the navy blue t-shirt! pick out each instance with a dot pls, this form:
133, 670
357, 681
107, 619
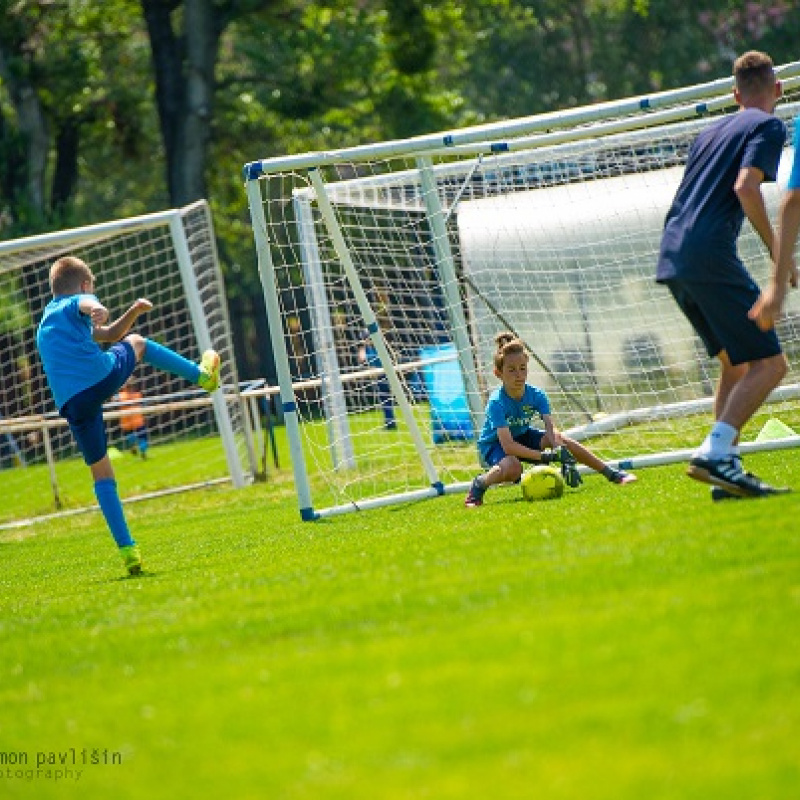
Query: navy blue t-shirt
703, 223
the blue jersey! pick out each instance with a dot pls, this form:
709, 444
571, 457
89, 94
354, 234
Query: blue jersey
794, 175
72, 360
503, 411
703, 223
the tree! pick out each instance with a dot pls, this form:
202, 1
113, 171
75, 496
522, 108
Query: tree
61, 67
185, 39
23, 186
93, 95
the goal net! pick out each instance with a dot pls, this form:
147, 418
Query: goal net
388, 270
193, 438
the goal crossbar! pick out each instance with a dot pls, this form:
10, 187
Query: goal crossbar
496, 132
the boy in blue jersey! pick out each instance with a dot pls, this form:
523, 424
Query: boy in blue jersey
699, 263
769, 306
508, 437
82, 376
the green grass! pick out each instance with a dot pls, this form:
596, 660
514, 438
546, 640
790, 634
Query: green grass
620, 643
28, 492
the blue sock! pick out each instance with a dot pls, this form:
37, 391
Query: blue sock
162, 357
111, 506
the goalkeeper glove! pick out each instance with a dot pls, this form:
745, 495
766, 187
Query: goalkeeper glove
550, 457
571, 476
558, 455
569, 468
566, 457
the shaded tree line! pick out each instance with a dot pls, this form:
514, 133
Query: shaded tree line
130, 106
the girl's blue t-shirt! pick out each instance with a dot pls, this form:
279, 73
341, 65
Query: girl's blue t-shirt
72, 360
503, 411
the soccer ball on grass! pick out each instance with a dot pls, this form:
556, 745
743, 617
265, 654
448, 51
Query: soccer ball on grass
542, 483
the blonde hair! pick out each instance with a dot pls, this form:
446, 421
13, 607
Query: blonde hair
68, 274
754, 73
507, 344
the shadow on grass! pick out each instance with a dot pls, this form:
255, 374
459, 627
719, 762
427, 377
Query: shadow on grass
140, 577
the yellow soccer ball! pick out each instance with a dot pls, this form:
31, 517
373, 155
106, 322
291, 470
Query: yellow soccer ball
542, 483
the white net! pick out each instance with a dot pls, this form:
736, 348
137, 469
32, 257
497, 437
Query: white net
130, 259
554, 237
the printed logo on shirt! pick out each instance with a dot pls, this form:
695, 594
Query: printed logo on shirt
528, 413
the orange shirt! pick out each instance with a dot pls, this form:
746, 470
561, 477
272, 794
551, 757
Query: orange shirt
131, 422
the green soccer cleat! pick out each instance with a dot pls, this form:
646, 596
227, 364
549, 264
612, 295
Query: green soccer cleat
209, 371
132, 559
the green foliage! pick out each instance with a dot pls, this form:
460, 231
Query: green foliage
79, 58
294, 76
411, 40
13, 309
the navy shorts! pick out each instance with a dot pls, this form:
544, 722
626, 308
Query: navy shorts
494, 453
718, 313
84, 411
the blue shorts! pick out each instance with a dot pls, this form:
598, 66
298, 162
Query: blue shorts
494, 453
84, 411
718, 313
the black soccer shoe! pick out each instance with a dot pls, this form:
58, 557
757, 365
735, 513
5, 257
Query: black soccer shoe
727, 474
719, 494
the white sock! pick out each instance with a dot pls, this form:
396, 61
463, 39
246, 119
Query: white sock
719, 442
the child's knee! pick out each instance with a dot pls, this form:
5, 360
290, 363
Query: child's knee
512, 469
138, 343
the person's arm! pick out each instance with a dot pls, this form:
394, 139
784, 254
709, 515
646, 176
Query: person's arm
511, 447
769, 305
93, 309
748, 190
552, 434
117, 329
789, 228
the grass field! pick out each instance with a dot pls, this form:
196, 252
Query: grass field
621, 643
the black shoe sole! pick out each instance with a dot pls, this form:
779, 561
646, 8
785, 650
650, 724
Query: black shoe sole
719, 495
724, 494
704, 476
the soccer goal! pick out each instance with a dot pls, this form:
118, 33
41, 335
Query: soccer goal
193, 438
388, 269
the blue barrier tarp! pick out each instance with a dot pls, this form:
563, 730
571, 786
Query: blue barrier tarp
450, 417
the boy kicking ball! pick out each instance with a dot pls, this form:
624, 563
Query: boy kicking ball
82, 376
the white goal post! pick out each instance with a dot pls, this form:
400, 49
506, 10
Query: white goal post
387, 270
195, 439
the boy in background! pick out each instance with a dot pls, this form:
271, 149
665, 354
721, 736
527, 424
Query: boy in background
133, 423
